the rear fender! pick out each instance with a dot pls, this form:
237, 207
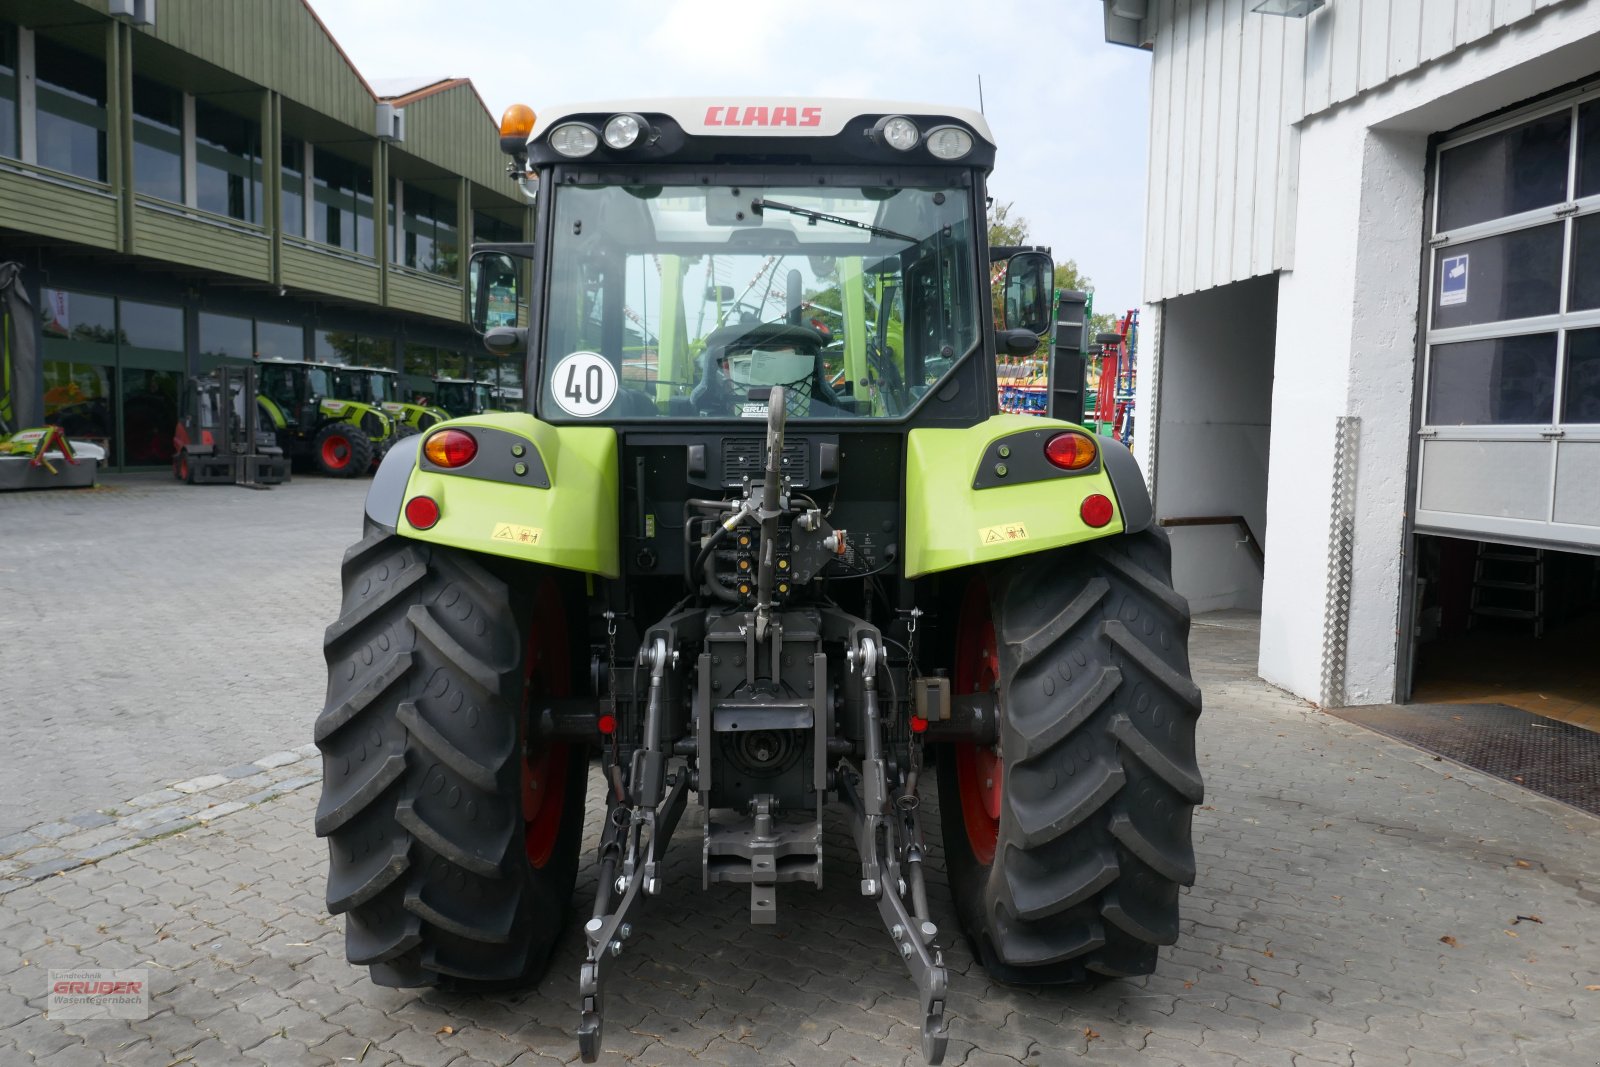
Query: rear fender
962, 510
561, 511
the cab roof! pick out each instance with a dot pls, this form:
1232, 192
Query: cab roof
788, 116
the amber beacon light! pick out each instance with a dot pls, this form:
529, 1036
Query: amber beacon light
515, 126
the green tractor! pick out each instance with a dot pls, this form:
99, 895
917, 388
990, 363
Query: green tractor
748, 579
460, 396
381, 389
313, 410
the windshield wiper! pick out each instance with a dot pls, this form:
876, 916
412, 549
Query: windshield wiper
760, 204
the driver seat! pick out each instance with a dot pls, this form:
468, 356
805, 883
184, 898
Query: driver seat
714, 395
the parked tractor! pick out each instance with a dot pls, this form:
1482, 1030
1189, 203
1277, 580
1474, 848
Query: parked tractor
341, 437
462, 397
747, 579
381, 389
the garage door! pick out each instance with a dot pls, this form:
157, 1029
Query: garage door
1510, 434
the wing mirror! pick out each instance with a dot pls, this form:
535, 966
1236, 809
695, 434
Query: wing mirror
1029, 287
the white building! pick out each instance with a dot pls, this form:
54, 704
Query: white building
1372, 265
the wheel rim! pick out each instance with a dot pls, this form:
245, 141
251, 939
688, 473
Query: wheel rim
980, 771
183, 467
336, 452
546, 671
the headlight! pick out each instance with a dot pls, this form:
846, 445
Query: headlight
898, 132
573, 140
622, 131
949, 142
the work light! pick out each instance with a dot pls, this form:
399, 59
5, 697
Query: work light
949, 142
898, 132
622, 131
573, 139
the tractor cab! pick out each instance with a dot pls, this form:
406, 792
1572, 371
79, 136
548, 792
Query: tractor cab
461, 396
379, 387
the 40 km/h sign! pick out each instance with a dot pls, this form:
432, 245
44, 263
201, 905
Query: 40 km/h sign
584, 383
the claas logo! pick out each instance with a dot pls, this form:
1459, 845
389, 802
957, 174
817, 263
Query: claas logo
719, 115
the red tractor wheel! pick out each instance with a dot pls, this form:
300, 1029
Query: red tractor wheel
343, 450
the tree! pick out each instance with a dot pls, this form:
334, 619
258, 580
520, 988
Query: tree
1005, 230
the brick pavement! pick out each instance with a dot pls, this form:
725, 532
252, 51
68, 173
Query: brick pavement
156, 632
1331, 863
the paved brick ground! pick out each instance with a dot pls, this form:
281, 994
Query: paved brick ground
155, 632
1331, 863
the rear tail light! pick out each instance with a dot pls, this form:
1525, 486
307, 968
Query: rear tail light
450, 448
1071, 451
422, 512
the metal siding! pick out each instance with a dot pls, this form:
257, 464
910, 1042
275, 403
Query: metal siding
1316, 60
1269, 141
1160, 166
1474, 20
57, 208
274, 43
322, 272
1344, 59
161, 234
1200, 257
1181, 270
425, 296
1374, 62
1246, 149
1438, 29
1405, 35
1508, 11
450, 129
1228, 203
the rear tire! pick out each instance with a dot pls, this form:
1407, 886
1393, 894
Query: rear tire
449, 869
1096, 778
342, 450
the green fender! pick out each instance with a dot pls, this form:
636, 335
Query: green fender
487, 506
1031, 507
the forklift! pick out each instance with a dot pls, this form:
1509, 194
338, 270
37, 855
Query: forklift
223, 435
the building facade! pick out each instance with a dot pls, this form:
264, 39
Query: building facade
197, 183
1372, 262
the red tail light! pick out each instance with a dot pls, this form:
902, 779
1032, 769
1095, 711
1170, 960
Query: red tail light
1096, 510
450, 448
1071, 451
422, 512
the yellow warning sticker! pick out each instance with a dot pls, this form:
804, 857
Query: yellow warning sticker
521, 535
996, 535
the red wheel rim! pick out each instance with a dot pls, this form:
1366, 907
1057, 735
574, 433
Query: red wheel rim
980, 772
336, 452
183, 467
546, 671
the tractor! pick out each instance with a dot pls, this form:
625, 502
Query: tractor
312, 410
462, 397
746, 578
381, 389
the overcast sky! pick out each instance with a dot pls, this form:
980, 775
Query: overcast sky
1069, 112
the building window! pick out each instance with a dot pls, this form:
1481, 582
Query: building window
224, 338
488, 229
335, 346
157, 140
8, 91
294, 188
278, 340
79, 358
71, 110
227, 163
421, 365
428, 238
1512, 292
343, 203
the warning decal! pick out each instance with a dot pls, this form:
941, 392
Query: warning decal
995, 535
521, 535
